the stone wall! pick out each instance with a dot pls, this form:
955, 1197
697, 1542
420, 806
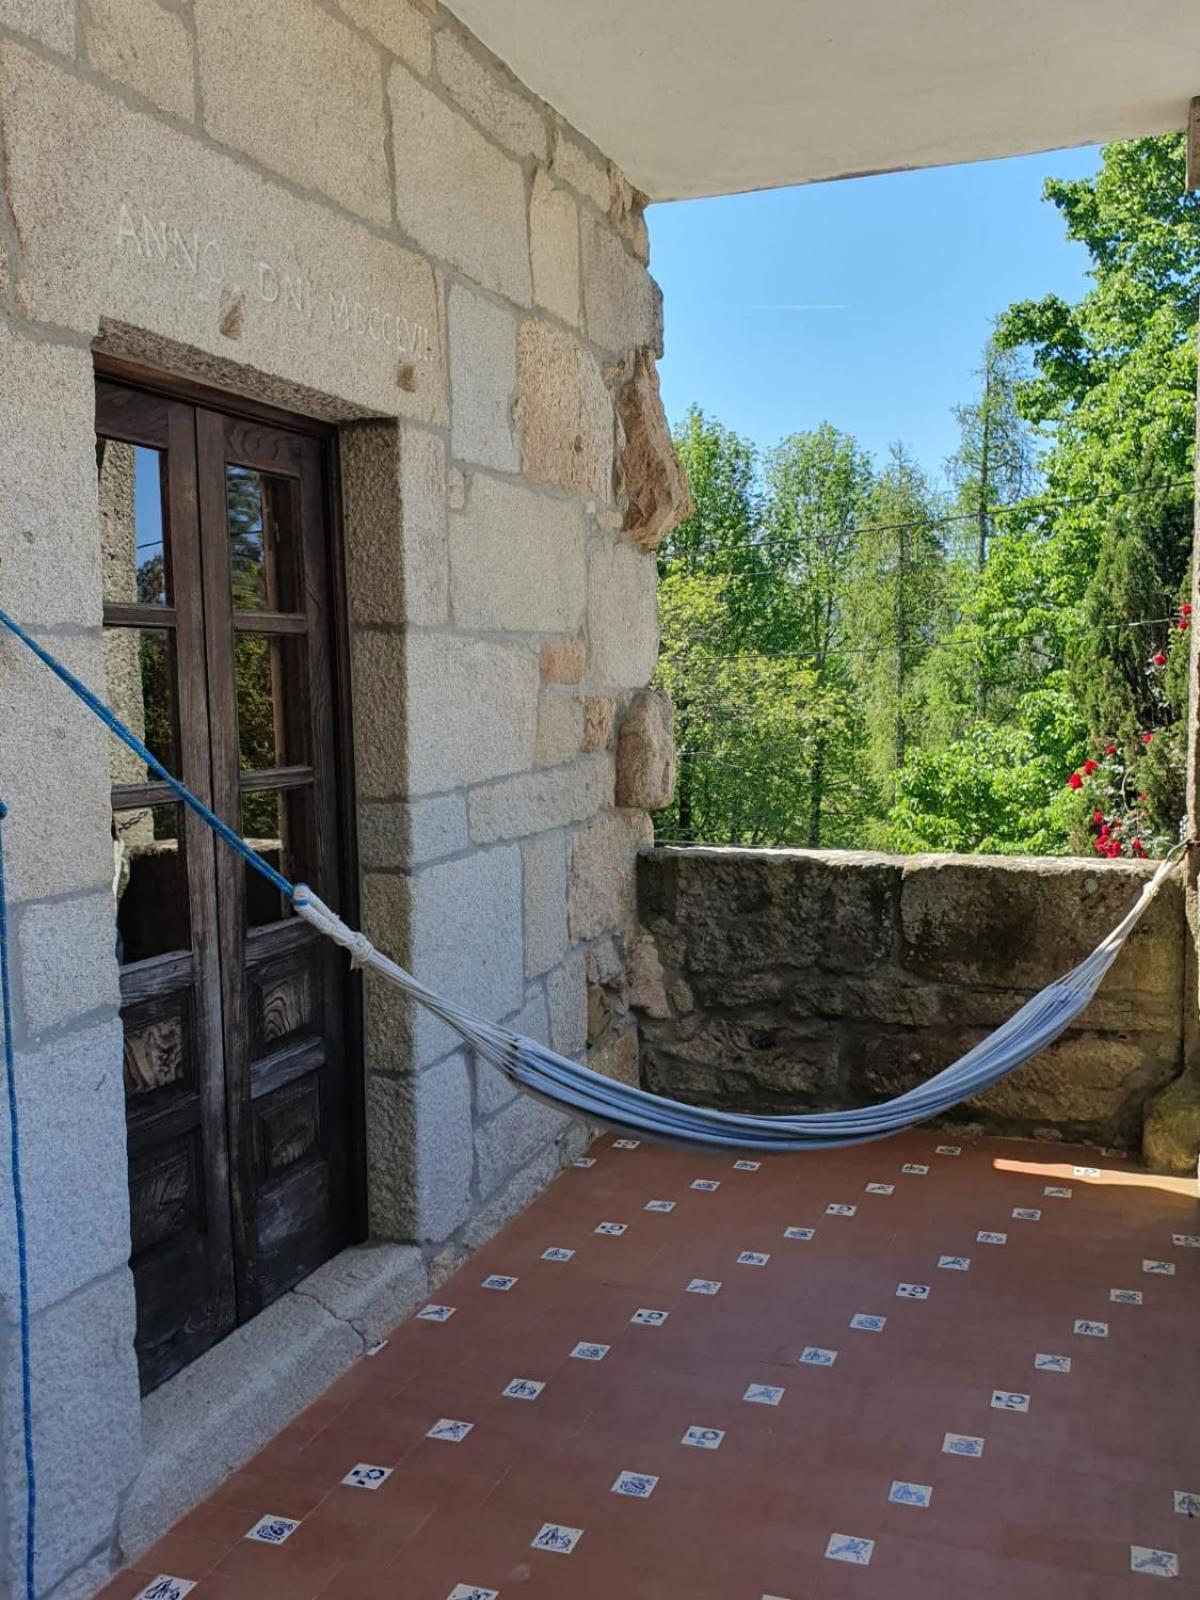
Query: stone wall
351, 210
780, 980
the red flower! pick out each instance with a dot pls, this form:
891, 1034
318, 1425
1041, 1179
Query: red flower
1183, 622
1160, 660
1098, 818
1138, 848
1110, 749
1185, 610
1147, 738
1074, 781
1089, 766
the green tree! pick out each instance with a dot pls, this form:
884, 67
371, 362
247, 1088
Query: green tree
994, 462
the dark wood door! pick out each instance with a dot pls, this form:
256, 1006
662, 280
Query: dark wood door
219, 636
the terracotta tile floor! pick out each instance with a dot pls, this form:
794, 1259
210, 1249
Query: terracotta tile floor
1050, 1323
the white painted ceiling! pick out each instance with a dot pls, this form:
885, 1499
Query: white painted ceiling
700, 97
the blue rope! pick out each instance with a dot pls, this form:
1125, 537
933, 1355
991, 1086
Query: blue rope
14, 1139
127, 737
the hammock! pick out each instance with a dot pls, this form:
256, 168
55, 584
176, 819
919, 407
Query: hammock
566, 1084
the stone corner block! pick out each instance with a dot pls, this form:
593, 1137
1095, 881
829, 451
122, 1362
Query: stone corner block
545, 862
517, 559
602, 889
554, 248
1171, 1127
483, 380
646, 752
565, 412
622, 305
562, 660
622, 615
651, 477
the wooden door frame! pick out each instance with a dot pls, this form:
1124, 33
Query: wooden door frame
116, 369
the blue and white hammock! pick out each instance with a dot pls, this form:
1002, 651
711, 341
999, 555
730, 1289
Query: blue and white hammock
563, 1083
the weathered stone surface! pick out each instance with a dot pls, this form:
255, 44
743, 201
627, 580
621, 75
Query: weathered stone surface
791, 980
400, 27
583, 171
177, 225
512, 1139
646, 752
370, 1286
565, 412
601, 891
566, 998
545, 903
261, 60
532, 802
506, 112
456, 194
620, 299
1171, 1129
419, 1152
142, 45
52, 22
517, 560
483, 380
554, 248
649, 472
617, 1057
560, 727
394, 494
85, 1409
562, 660
622, 615
77, 1213
53, 986
599, 721
408, 833
520, 1191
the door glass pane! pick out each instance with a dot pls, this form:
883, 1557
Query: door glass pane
278, 824
150, 882
264, 545
269, 674
140, 667
133, 539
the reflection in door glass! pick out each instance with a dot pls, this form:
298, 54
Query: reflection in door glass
150, 882
278, 824
263, 554
268, 676
132, 538
140, 668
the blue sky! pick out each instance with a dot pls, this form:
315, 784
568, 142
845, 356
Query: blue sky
912, 267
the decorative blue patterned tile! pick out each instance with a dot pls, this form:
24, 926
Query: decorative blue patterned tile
1026, 1214
472, 1591
1189, 1241
611, 1230
1090, 1329
590, 1352
961, 1444
703, 1438
813, 1356
844, 1547
1154, 1563
1044, 1363
436, 1313
704, 1286
522, 1389
272, 1530
626, 1144
167, 1588
986, 1236
449, 1430
557, 1252
637, 1485
659, 1205
915, 1169
764, 1394
955, 1263
910, 1494
798, 1233
752, 1258
553, 1536
1187, 1505
912, 1291
706, 1185
1125, 1297
840, 1210
868, 1322
1086, 1172
498, 1280
584, 1161
1008, 1400
647, 1318
365, 1476
1057, 1191
948, 1150
746, 1166
1160, 1269
880, 1188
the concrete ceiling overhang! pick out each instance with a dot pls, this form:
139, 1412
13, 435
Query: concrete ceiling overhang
702, 97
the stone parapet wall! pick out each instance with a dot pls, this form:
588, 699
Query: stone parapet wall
785, 980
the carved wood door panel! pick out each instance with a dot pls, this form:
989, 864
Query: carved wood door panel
219, 649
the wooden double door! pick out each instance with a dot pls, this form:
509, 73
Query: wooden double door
240, 1060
